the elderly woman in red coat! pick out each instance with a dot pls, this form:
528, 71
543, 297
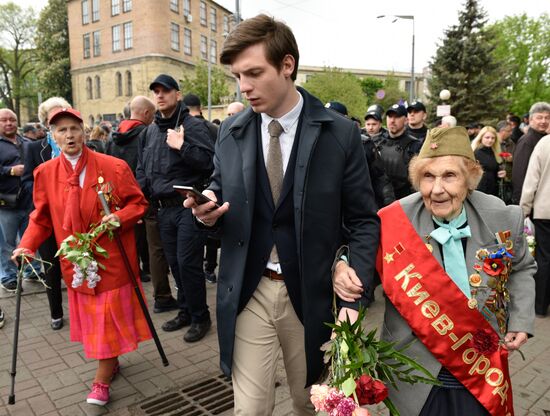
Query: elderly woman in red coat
105, 318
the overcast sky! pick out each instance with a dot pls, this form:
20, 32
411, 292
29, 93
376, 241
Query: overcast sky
347, 33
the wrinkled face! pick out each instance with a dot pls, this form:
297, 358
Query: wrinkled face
69, 135
540, 122
372, 126
505, 132
8, 123
266, 87
165, 99
416, 118
443, 187
395, 123
488, 139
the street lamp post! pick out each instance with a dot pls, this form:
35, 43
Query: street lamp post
407, 17
237, 21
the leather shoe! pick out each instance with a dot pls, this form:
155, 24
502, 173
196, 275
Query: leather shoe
57, 324
177, 323
197, 331
144, 276
165, 305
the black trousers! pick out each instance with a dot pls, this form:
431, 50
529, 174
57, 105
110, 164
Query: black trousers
452, 402
183, 245
53, 277
542, 256
158, 266
212, 245
142, 248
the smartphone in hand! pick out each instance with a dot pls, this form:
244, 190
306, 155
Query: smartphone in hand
190, 190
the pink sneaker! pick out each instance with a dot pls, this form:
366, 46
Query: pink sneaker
99, 394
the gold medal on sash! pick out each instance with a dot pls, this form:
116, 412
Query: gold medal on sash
472, 303
475, 280
100, 180
429, 247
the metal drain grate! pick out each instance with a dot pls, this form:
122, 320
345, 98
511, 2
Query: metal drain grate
208, 397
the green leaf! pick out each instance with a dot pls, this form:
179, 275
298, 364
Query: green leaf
348, 386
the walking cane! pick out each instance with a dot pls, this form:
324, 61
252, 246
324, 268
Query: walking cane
134, 282
11, 399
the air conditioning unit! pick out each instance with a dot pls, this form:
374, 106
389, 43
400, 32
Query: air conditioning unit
189, 18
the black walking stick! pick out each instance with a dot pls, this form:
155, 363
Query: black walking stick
11, 399
134, 282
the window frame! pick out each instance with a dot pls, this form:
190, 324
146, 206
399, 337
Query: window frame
95, 11
204, 53
115, 7
128, 42
87, 45
174, 39
96, 38
187, 48
116, 41
126, 6
203, 14
85, 4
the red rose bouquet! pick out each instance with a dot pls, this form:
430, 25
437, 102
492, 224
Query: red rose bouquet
360, 366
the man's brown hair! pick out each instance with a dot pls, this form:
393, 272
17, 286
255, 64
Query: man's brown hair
277, 38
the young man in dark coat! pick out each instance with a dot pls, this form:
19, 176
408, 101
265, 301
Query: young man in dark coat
287, 173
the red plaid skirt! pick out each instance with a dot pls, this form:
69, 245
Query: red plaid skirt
108, 324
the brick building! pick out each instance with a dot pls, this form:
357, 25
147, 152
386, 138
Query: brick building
119, 46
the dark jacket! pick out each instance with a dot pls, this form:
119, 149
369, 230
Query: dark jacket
212, 128
381, 184
36, 153
11, 155
96, 145
420, 133
522, 154
125, 142
160, 167
489, 180
331, 187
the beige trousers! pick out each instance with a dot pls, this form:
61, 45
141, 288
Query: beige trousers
267, 326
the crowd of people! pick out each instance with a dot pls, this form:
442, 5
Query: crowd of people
301, 203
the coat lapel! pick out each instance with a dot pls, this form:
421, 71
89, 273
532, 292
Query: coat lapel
88, 193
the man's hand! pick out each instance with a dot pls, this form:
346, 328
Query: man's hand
501, 173
18, 252
174, 138
514, 340
18, 170
206, 213
345, 282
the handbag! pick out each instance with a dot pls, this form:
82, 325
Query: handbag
9, 200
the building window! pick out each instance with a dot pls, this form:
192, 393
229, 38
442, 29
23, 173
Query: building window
126, 5
187, 41
86, 40
95, 10
115, 7
175, 36
85, 12
213, 51
203, 13
128, 83
118, 84
128, 36
97, 87
174, 5
186, 7
213, 19
116, 38
225, 23
97, 43
89, 88
204, 48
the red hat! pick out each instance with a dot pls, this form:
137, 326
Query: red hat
70, 112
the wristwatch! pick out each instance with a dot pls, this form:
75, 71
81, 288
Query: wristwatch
12, 172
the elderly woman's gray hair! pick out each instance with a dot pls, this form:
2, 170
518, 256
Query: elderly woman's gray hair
48, 105
471, 170
540, 107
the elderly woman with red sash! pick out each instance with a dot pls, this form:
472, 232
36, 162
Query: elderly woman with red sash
107, 318
458, 280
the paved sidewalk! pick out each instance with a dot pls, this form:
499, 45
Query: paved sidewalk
53, 377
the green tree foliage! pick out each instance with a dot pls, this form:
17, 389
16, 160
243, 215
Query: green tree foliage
198, 84
523, 43
17, 28
52, 51
370, 86
467, 66
392, 93
333, 84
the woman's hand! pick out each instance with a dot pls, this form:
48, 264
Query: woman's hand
501, 173
19, 252
110, 217
514, 340
345, 282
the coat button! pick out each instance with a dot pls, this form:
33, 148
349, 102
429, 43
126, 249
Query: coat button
240, 243
230, 289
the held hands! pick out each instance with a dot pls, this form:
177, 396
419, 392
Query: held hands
206, 213
345, 283
174, 138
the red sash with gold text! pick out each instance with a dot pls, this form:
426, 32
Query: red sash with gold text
438, 312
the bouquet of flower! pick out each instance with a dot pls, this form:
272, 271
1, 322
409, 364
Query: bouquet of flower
530, 238
359, 368
81, 250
